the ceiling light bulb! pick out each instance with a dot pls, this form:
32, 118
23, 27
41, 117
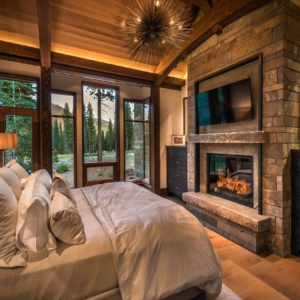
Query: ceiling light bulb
172, 22
157, 3
180, 27
163, 41
135, 39
139, 20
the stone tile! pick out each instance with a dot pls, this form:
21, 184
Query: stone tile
283, 226
274, 108
270, 96
270, 77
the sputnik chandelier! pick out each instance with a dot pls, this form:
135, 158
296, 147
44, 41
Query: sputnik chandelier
150, 29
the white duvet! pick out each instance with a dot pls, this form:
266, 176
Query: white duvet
159, 247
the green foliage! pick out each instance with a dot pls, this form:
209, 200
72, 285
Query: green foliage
129, 129
68, 130
19, 94
62, 168
55, 156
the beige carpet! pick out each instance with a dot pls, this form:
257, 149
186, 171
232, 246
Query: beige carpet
227, 294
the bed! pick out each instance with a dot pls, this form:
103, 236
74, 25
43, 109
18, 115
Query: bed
138, 246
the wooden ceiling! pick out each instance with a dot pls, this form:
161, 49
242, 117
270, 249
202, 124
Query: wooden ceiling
62, 30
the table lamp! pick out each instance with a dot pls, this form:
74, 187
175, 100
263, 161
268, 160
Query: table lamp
8, 141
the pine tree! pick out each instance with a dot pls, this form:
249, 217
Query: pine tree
103, 141
109, 136
55, 134
68, 130
61, 140
91, 134
129, 129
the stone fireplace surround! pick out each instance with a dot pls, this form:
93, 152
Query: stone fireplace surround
241, 224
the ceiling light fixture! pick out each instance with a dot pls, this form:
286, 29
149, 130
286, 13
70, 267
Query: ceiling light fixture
150, 29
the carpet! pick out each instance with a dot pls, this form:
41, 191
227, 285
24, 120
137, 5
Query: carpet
227, 294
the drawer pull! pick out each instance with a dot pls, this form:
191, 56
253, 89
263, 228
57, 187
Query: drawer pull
178, 175
177, 162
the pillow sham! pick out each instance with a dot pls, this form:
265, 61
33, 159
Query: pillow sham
42, 175
62, 186
17, 168
32, 232
9, 254
65, 220
12, 180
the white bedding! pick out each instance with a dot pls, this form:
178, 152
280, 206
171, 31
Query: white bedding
159, 247
74, 272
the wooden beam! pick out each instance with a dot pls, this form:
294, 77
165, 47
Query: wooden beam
203, 5
215, 2
210, 24
11, 49
84, 67
46, 125
155, 140
44, 23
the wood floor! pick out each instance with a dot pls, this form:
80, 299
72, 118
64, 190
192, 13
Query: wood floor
252, 276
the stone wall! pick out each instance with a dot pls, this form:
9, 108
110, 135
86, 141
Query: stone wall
274, 31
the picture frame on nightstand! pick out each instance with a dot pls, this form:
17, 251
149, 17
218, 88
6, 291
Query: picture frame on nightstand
178, 140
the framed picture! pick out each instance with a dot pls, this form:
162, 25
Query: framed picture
178, 140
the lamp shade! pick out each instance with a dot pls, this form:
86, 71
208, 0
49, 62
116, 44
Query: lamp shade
8, 141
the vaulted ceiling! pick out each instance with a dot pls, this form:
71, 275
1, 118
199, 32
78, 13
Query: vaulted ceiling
63, 34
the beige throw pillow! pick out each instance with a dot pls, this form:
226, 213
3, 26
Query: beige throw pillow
65, 221
32, 232
42, 175
9, 254
17, 168
62, 186
12, 180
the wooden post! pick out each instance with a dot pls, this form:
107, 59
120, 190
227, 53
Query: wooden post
155, 140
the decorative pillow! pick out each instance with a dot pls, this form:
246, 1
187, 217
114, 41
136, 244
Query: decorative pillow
12, 180
61, 185
65, 221
9, 254
17, 168
32, 232
42, 175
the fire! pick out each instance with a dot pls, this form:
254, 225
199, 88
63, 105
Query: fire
234, 184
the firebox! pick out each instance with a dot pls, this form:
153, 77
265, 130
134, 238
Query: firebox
231, 177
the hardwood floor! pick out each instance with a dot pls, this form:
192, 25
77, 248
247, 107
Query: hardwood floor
251, 276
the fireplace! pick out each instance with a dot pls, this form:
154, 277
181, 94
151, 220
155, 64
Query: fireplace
231, 177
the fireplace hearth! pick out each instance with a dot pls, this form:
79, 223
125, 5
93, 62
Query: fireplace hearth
231, 177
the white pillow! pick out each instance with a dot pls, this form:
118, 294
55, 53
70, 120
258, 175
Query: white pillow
65, 221
9, 254
12, 180
32, 232
17, 168
42, 175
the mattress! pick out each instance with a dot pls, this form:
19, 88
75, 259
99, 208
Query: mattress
73, 272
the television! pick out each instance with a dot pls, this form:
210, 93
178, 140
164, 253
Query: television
226, 104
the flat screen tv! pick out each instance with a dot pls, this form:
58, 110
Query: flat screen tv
226, 104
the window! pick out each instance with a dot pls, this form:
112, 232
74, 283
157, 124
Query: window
100, 130
19, 114
63, 135
137, 140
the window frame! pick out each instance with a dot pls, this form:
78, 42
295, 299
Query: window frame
116, 164
74, 118
34, 113
144, 101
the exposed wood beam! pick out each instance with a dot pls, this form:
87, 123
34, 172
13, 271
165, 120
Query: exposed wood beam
211, 23
11, 49
83, 67
203, 5
215, 2
44, 23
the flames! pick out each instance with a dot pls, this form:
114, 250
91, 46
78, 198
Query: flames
240, 187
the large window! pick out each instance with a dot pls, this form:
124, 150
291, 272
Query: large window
100, 133
19, 114
63, 135
137, 140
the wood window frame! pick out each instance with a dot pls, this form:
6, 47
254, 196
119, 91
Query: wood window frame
34, 113
116, 164
74, 117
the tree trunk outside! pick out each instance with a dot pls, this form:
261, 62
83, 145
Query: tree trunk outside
99, 158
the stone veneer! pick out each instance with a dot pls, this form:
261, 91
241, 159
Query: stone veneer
273, 30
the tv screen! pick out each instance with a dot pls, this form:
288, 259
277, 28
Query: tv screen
225, 104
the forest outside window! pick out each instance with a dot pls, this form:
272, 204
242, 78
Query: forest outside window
63, 135
137, 140
19, 114
100, 133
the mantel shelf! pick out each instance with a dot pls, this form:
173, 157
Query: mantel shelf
245, 137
